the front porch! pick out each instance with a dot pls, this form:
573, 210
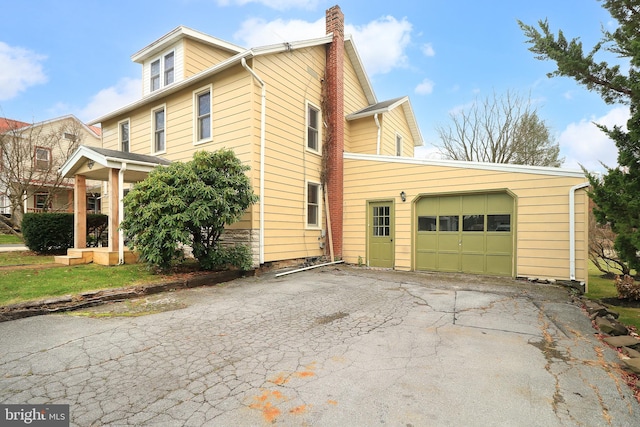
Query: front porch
101, 256
116, 168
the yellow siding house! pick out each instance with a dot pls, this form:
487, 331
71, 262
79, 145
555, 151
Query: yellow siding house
333, 165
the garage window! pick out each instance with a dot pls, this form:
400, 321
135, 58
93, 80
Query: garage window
499, 222
426, 223
473, 223
449, 223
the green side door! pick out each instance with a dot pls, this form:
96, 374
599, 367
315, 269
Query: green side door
380, 233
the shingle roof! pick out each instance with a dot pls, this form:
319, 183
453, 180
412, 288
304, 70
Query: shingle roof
10, 124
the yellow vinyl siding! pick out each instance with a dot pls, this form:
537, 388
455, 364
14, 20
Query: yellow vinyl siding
354, 100
288, 164
199, 56
364, 135
541, 217
395, 123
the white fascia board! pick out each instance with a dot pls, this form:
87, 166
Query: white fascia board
71, 165
499, 167
287, 46
413, 124
352, 52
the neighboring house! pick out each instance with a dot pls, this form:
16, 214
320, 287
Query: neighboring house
30, 157
324, 150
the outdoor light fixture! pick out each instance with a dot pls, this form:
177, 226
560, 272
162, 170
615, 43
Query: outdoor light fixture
403, 196
90, 164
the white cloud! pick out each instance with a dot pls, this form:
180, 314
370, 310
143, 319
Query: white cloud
425, 88
273, 4
124, 92
380, 43
258, 32
20, 69
585, 144
427, 49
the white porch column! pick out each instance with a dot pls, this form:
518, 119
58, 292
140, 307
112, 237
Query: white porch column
114, 210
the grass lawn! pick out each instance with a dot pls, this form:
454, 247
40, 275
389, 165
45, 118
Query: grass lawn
24, 258
601, 289
31, 284
7, 239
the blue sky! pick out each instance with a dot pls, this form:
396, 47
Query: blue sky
74, 57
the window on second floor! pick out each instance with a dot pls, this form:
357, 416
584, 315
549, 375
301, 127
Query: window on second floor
398, 145
43, 158
159, 144
313, 127
202, 116
124, 136
69, 136
41, 202
313, 204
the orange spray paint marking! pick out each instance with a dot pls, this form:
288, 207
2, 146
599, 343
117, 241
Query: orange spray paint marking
298, 410
269, 412
332, 402
280, 380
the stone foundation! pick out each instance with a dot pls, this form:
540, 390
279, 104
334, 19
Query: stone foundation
250, 238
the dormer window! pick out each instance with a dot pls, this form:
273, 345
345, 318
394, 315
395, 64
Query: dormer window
162, 71
155, 75
168, 69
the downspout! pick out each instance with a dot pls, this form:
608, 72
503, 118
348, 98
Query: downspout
572, 229
375, 118
121, 213
262, 149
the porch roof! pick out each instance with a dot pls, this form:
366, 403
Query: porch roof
95, 163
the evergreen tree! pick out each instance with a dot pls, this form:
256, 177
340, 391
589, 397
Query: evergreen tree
617, 193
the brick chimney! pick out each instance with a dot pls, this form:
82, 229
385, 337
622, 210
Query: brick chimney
334, 114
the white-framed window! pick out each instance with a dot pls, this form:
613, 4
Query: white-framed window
162, 71
169, 62
43, 158
123, 135
155, 75
158, 120
69, 136
398, 145
314, 204
314, 128
202, 120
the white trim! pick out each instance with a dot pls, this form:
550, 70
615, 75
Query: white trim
177, 34
308, 226
500, 167
572, 229
162, 107
128, 121
308, 104
196, 93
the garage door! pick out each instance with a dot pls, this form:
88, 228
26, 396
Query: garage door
465, 233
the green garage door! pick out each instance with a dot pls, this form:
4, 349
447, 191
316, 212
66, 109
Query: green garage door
465, 233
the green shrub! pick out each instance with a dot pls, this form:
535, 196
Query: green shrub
222, 257
48, 233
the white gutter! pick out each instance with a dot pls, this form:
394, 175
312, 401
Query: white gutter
262, 155
121, 213
572, 229
375, 118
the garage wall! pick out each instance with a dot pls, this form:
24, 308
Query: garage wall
542, 207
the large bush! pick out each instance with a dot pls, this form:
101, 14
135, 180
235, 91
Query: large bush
188, 204
97, 225
48, 233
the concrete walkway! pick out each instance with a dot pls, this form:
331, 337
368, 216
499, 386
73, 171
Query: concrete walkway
328, 347
13, 248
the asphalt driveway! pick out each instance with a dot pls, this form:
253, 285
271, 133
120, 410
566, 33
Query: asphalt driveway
334, 346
